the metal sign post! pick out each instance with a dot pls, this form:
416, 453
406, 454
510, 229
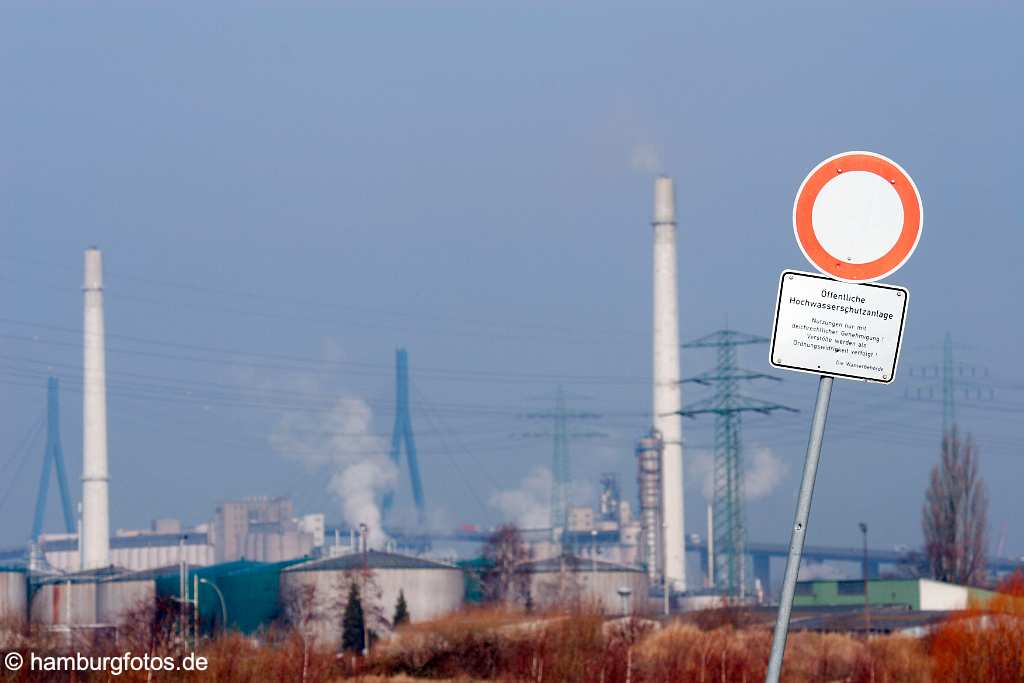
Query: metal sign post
796, 542
857, 218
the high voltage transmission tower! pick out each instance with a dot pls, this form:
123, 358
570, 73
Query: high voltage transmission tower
402, 433
727, 405
560, 469
955, 378
53, 457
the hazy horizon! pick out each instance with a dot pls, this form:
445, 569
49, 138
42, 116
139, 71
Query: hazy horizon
285, 198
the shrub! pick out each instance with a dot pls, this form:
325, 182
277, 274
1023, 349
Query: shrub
985, 642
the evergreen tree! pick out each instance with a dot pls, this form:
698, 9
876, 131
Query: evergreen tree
353, 623
401, 611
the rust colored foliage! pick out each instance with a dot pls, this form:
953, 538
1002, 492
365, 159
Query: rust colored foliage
986, 642
509, 646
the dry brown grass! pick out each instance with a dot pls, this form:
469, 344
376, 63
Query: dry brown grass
684, 652
569, 647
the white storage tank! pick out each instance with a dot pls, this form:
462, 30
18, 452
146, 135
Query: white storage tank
320, 588
68, 599
13, 596
567, 580
64, 602
120, 597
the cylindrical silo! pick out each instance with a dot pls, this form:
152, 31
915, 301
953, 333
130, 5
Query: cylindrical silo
567, 581
120, 598
431, 588
13, 596
61, 601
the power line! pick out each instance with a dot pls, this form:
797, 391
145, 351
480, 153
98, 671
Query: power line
20, 457
727, 405
355, 367
446, 450
560, 465
572, 334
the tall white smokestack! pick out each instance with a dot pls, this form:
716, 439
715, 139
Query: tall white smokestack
94, 544
667, 392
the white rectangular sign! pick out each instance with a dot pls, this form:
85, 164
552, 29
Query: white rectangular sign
842, 329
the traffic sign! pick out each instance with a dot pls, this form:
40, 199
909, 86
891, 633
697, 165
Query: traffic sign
858, 216
835, 328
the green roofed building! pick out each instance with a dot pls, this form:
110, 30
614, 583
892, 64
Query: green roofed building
913, 594
248, 592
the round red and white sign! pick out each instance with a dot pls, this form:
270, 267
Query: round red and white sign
858, 216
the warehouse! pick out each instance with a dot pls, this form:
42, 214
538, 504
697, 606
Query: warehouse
913, 594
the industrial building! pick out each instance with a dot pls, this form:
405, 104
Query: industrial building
131, 550
264, 530
259, 529
242, 595
922, 595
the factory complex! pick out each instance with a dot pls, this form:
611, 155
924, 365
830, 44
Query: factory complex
256, 562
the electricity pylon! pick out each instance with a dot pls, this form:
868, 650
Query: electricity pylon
560, 468
727, 405
954, 378
402, 433
53, 457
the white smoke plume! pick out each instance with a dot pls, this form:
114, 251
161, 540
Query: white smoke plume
528, 505
702, 472
340, 441
764, 472
645, 158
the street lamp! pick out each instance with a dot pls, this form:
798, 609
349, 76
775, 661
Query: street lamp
364, 531
223, 604
867, 607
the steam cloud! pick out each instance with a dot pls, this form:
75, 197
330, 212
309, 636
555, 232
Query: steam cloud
645, 158
340, 441
529, 505
765, 471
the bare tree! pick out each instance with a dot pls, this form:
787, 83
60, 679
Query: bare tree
955, 514
504, 579
303, 612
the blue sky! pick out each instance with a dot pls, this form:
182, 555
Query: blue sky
284, 196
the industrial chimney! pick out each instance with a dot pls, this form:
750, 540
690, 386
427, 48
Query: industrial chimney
94, 543
667, 394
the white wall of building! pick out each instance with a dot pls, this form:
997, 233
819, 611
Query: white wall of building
936, 595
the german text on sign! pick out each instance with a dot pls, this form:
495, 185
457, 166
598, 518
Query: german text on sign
836, 328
